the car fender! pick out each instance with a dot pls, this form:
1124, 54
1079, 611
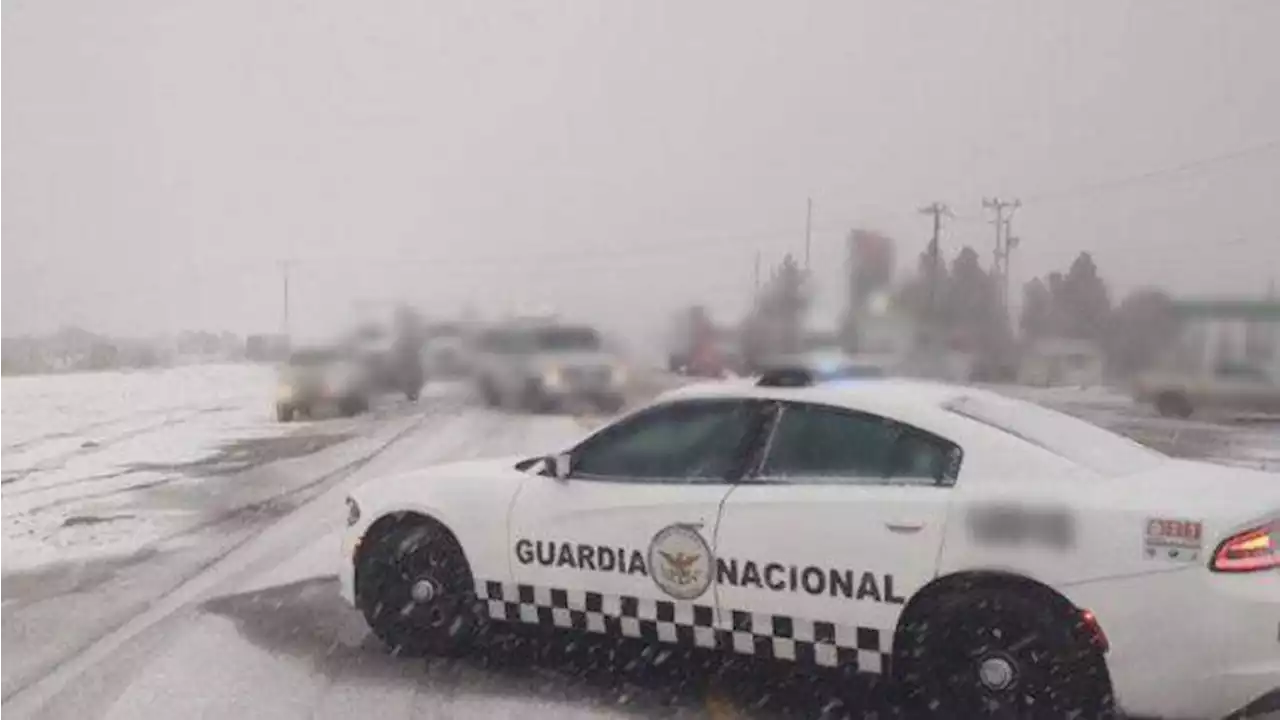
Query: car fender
472, 500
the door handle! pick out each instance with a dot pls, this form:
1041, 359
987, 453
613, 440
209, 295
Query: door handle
905, 528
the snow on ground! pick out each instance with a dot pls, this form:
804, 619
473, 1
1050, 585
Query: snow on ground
76, 445
1096, 396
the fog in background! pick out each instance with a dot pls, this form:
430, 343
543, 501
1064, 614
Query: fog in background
613, 159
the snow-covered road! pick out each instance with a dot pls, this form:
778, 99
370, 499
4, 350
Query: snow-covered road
257, 628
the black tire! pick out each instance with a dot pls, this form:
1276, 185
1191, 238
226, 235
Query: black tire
1173, 404
353, 405
1056, 671
388, 568
284, 413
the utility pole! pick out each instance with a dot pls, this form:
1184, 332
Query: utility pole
1004, 211
808, 232
284, 276
937, 210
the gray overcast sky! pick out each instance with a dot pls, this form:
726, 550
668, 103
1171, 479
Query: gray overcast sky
160, 157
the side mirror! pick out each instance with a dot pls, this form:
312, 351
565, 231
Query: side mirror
559, 466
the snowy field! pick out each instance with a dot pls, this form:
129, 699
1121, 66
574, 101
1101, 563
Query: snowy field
78, 449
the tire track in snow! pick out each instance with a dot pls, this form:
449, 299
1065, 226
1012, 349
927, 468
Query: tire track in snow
91, 427
59, 462
27, 696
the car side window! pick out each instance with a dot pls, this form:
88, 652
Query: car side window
817, 444
689, 441
1241, 371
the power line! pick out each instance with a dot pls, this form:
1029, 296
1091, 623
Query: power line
1186, 167
672, 248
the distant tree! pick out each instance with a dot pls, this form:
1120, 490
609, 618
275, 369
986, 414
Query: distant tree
776, 323
409, 324
103, 355
975, 315
1142, 327
1037, 309
788, 302
922, 296
870, 266
1083, 301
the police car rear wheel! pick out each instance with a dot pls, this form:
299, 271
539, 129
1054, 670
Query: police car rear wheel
1002, 654
416, 591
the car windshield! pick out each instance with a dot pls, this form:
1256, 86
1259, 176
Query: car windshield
566, 338
1076, 440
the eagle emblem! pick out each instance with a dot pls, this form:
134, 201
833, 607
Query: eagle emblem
680, 562
679, 567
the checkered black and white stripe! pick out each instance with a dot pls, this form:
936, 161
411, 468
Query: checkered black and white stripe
781, 637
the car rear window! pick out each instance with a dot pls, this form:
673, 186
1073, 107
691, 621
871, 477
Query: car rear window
567, 338
1076, 440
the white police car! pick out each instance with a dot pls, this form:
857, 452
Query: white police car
973, 546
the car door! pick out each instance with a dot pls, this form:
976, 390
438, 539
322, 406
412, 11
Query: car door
623, 544
822, 545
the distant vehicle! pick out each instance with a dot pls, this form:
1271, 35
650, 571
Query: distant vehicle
1226, 361
266, 348
312, 378
446, 352
829, 364
547, 366
1230, 387
391, 364
968, 547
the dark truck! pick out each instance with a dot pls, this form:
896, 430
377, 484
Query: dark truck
321, 377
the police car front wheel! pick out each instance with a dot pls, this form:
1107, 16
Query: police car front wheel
1001, 653
415, 590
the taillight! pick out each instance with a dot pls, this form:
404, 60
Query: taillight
1249, 551
1094, 630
